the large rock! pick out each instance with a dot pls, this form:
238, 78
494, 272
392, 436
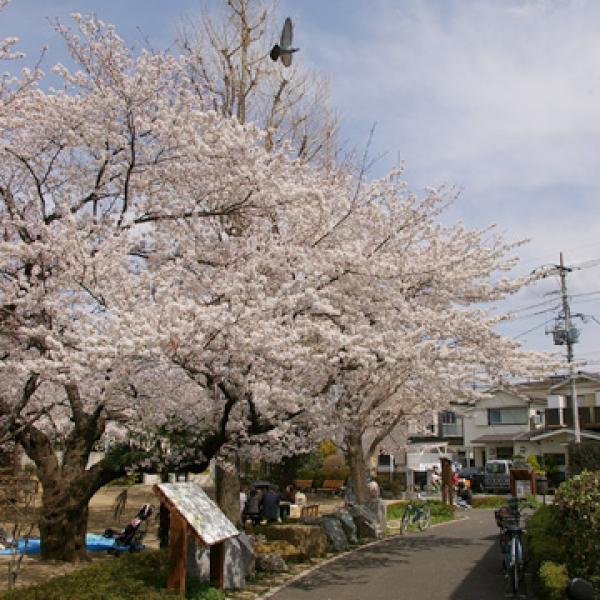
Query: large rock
368, 523
348, 525
336, 538
270, 563
310, 540
376, 507
239, 562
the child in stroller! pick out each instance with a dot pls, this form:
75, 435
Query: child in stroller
130, 538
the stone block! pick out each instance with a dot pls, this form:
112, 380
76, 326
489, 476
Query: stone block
367, 524
270, 563
284, 549
348, 525
308, 539
336, 538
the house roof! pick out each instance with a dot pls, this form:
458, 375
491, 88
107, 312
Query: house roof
500, 437
591, 435
532, 436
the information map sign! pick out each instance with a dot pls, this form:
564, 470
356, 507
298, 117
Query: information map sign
200, 512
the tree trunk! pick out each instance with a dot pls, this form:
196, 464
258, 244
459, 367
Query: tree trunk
68, 485
358, 467
63, 524
227, 482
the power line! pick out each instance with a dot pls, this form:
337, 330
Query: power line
549, 301
594, 262
533, 329
584, 294
535, 314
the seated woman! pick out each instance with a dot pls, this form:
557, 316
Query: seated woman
253, 507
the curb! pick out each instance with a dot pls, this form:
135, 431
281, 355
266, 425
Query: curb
274, 591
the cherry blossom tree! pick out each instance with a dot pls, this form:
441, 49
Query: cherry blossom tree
390, 307
228, 59
98, 183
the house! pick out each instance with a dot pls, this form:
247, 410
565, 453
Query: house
532, 418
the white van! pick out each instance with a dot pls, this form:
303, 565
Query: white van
497, 476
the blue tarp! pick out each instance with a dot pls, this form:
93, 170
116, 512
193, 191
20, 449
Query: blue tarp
93, 542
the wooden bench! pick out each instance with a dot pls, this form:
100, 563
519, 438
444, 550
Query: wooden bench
309, 510
331, 486
304, 485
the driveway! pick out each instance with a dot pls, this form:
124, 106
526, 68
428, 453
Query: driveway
460, 560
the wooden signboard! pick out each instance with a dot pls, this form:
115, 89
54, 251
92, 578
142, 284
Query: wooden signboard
192, 512
522, 483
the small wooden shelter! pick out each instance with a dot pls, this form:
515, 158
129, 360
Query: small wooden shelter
192, 512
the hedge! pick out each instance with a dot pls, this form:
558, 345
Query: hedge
579, 504
130, 577
564, 538
544, 537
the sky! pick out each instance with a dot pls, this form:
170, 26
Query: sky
496, 99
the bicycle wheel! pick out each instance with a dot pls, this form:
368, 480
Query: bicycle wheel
515, 578
424, 518
405, 519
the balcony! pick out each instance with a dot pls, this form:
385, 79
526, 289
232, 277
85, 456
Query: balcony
589, 417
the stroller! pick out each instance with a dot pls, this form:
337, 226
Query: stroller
130, 538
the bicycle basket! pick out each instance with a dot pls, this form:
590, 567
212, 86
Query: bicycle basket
500, 515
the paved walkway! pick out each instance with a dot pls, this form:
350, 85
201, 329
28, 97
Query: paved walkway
455, 561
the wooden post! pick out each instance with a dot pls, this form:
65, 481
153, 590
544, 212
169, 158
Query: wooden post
178, 534
447, 485
217, 565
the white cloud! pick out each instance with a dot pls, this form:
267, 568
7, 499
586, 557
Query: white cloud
498, 98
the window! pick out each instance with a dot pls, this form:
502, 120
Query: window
505, 453
496, 468
508, 416
384, 460
557, 459
447, 416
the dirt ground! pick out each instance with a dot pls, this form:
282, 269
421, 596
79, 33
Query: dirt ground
34, 571
101, 516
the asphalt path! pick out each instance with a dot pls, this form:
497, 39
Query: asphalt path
460, 560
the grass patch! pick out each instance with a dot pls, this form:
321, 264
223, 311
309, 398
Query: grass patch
440, 512
131, 577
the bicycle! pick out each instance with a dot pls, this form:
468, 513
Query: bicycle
511, 542
417, 514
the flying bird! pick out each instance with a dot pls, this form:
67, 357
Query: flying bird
284, 49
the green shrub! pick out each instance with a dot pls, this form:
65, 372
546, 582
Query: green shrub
553, 580
544, 537
578, 501
131, 577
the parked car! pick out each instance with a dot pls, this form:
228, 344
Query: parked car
497, 475
475, 477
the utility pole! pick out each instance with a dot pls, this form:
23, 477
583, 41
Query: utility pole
569, 341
